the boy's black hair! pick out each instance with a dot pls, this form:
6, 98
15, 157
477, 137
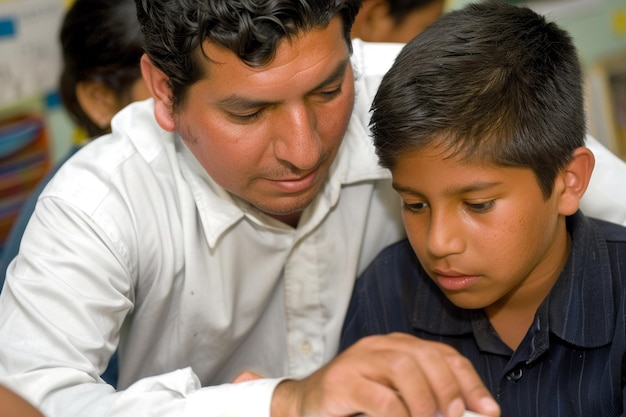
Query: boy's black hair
491, 82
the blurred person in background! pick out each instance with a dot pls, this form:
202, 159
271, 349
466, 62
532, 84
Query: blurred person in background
101, 48
395, 20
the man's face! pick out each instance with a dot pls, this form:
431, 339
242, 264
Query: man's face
484, 233
269, 135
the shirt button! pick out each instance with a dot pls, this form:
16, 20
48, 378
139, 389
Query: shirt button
305, 348
515, 375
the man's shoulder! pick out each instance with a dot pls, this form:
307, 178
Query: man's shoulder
374, 58
125, 160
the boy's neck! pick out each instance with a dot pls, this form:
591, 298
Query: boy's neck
513, 315
513, 324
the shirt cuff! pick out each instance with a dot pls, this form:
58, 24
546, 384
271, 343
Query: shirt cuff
243, 399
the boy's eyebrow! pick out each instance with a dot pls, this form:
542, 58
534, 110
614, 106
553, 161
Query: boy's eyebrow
478, 186
243, 103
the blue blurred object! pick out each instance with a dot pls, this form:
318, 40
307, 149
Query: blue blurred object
18, 135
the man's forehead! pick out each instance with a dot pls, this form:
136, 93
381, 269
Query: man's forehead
243, 101
315, 59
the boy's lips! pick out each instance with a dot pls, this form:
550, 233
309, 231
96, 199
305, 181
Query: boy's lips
454, 281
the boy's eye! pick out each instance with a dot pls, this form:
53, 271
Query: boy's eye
414, 207
480, 207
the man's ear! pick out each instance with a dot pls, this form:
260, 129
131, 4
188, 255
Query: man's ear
574, 179
98, 102
158, 84
373, 23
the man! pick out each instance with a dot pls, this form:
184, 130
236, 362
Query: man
219, 230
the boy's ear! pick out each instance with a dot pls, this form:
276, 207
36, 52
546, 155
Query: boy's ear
574, 179
158, 84
98, 102
373, 23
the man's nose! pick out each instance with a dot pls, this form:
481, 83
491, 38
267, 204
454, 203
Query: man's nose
296, 140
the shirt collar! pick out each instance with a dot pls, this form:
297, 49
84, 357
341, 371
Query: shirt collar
584, 282
219, 210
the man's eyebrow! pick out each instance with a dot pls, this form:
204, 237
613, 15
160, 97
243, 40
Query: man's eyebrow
335, 76
242, 103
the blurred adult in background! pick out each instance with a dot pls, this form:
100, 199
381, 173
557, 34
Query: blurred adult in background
395, 20
101, 48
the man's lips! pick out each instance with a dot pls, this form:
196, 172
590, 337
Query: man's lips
295, 184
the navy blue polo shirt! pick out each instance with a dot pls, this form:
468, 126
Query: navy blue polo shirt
571, 361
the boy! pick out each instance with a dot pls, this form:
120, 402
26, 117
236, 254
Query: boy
481, 122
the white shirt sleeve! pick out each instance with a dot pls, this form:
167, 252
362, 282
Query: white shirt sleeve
179, 393
605, 197
132, 245
57, 331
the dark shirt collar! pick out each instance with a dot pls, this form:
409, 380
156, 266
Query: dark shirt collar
585, 283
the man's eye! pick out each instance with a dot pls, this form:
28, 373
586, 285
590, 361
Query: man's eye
480, 207
245, 118
330, 93
414, 207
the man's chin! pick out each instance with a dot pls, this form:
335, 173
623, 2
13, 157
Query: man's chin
287, 214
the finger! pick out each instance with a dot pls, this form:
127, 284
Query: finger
246, 376
355, 382
440, 378
476, 396
376, 400
394, 362
427, 384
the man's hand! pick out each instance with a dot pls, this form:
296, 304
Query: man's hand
246, 376
394, 375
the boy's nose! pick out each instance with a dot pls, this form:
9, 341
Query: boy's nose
444, 235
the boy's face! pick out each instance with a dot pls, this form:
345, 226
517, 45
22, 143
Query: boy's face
269, 135
484, 233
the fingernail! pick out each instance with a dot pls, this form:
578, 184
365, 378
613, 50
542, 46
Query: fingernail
489, 405
456, 408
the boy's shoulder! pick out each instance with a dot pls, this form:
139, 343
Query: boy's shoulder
612, 232
398, 257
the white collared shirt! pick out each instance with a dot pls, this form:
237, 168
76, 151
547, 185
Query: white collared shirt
132, 242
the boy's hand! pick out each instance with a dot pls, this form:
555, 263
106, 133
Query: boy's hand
395, 375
